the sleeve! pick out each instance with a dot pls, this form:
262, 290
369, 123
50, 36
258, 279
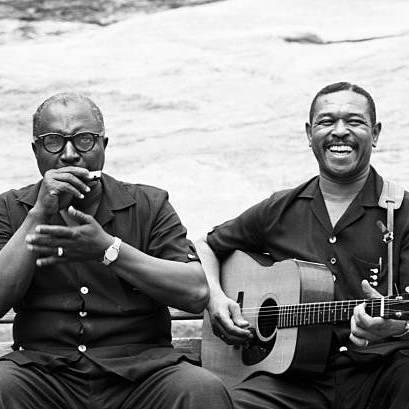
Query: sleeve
245, 232
6, 231
168, 236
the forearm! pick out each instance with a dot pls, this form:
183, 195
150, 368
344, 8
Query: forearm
210, 265
17, 264
177, 284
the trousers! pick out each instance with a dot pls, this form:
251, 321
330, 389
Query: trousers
180, 386
379, 384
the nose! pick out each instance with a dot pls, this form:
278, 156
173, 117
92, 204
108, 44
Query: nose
340, 129
70, 154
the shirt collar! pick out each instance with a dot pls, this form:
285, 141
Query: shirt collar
115, 195
368, 196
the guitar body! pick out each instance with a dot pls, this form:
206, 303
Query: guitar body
256, 282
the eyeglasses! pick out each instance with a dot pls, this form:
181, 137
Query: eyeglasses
55, 142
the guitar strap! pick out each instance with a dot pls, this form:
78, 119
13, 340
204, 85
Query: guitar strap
390, 199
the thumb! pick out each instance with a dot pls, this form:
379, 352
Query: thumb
236, 316
78, 216
368, 291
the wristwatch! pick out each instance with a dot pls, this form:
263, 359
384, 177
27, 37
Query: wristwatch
112, 252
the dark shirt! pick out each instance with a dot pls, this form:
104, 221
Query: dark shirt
84, 308
295, 224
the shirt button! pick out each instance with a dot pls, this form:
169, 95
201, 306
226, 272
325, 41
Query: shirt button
83, 314
343, 349
84, 290
333, 260
332, 239
82, 348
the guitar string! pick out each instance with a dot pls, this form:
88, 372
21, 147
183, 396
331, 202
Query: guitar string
329, 304
338, 316
398, 313
317, 311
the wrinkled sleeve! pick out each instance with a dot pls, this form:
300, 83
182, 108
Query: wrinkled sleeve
242, 233
168, 236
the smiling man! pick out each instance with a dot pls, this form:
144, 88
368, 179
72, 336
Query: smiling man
333, 220
90, 265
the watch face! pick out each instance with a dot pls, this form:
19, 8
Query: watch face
111, 254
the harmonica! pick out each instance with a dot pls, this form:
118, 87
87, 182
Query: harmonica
95, 174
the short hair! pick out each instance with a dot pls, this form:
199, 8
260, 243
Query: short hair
345, 86
64, 99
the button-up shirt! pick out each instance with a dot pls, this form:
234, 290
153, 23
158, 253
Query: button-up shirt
79, 308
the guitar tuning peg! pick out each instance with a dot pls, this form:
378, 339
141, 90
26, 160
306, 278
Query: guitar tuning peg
374, 283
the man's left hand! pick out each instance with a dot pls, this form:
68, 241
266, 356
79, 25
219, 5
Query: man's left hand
58, 244
366, 329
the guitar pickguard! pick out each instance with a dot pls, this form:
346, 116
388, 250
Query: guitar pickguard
264, 335
256, 350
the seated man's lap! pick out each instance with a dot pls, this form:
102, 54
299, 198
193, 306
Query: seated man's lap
177, 386
180, 386
26, 387
382, 384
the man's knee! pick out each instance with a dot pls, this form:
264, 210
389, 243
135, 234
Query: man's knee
190, 386
199, 380
10, 383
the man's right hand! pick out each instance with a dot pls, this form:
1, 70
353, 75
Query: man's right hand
227, 320
59, 187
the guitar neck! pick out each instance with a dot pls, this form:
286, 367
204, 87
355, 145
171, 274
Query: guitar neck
334, 311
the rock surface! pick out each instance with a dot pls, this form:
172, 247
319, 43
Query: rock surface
209, 102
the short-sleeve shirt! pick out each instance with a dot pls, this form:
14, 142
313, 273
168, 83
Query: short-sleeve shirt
295, 224
79, 308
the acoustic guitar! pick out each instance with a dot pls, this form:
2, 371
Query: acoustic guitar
289, 306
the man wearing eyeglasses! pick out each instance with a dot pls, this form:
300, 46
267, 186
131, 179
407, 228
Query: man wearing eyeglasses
90, 265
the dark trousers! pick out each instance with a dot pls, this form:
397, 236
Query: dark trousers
379, 384
181, 386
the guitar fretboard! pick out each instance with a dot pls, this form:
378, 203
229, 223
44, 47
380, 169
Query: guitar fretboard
328, 312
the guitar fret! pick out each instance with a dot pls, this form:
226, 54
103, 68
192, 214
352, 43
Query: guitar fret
326, 312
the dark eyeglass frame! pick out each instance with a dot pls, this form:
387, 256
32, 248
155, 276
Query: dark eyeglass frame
67, 138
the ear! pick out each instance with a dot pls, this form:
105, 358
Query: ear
308, 133
376, 130
34, 148
105, 142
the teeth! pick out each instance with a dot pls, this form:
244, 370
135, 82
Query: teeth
340, 148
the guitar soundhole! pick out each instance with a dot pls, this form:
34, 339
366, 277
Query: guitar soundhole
264, 335
267, 319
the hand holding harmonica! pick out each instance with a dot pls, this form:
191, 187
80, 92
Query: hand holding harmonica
61, 186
